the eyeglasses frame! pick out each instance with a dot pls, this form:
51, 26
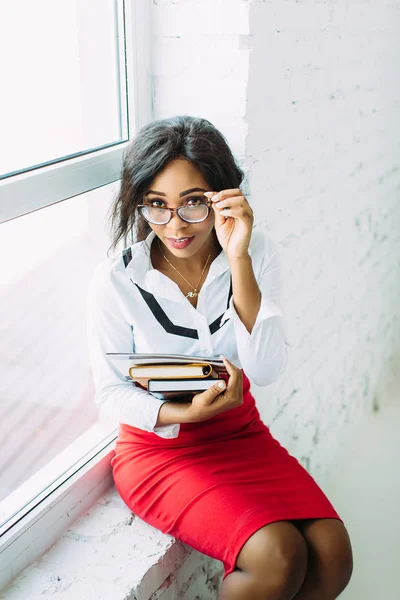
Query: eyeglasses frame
174, 210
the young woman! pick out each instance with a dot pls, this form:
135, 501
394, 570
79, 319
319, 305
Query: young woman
201, 280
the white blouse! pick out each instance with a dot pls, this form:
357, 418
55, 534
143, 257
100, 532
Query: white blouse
132, 307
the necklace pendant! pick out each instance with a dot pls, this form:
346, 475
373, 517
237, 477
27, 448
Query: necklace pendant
192, 295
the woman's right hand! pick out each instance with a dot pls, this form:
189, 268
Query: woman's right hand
215, 400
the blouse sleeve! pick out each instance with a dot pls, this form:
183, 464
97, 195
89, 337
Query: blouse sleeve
264, 353
108, 331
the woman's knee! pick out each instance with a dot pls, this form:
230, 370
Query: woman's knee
276, 555
330, 556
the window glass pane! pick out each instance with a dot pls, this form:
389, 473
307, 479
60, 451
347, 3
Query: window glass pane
46, 390
60, 76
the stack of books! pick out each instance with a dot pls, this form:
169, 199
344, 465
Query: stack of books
170, 376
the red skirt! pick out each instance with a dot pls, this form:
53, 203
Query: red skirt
217, 483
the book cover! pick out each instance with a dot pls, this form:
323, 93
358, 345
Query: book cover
125, 360
170, 371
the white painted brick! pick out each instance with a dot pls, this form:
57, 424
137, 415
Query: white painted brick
192, 17
228, 98
235, 131
191, 58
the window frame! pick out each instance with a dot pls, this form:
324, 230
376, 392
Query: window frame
64, 178
42, 520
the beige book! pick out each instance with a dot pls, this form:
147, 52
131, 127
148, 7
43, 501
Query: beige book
165, 371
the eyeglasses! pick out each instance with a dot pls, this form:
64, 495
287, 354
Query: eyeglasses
158, 215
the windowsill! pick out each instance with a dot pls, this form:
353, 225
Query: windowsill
60, 468
37, 513
111, 554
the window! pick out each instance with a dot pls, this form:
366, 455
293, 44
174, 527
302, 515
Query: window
76, 91
63, 74
46, 391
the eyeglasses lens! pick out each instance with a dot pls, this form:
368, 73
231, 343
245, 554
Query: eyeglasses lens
194, 213
155, 215
160, 216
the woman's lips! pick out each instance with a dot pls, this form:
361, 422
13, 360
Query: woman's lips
180, 245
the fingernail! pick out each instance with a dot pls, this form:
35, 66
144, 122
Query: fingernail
208, 194
215, 198
221, 385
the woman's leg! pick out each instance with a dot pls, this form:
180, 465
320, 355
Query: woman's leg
330, 560
271, 565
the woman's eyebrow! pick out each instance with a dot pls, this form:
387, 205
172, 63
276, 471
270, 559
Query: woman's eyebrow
185, 193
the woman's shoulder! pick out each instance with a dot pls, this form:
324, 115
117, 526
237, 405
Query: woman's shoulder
111, 271
108, 267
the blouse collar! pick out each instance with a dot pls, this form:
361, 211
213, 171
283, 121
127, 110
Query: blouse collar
141, 271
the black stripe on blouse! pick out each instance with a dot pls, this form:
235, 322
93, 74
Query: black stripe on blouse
215, 325
163, 318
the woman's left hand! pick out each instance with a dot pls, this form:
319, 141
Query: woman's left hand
233, 221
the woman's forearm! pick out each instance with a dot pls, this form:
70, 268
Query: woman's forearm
171, 413
245, 290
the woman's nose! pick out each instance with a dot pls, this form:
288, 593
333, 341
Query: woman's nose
181, 221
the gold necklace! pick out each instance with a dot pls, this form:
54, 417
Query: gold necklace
195, 293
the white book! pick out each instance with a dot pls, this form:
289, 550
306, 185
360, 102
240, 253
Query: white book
155, 359
175, 391
178, 385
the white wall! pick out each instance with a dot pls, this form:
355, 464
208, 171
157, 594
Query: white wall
306, 94
324, 136
200, 63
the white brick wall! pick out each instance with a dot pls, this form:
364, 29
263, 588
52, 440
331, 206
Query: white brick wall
200, 63
323, 122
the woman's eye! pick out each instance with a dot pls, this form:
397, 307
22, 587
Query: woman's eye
193, 201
